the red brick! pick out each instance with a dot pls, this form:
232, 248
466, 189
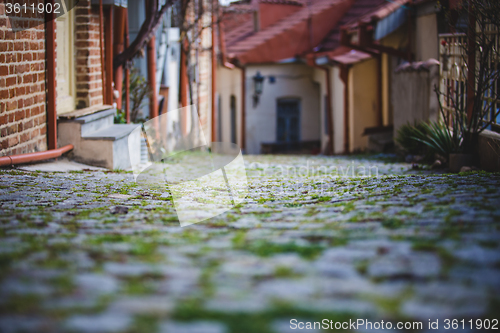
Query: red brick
4, 70
10, 81
28, 124
13, 141
11, 105
19, 114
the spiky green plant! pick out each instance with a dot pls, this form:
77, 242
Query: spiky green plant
405, 138
440, 138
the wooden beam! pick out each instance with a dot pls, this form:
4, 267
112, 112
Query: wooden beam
101, 46
214, 73
50, 44
153, 99
127, 76
118, 45
471, 63
344, 76
108, 33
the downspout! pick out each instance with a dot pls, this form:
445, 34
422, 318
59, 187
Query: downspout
109, 55
243, 116
380, 119
344, 76
50, 51
33, 157
225, 63
214, 71
153, 100
127, 74
101, 45
183, 86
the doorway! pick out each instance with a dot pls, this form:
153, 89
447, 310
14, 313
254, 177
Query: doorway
65, 70
288, 120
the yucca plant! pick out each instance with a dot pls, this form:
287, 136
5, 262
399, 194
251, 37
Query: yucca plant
440, 138
406, 138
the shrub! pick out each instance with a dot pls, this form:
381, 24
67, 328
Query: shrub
406, 138
439, 138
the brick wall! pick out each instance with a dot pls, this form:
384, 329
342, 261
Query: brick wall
22, 86
88, 56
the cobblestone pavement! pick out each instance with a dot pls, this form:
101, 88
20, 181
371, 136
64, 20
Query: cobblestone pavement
94, 252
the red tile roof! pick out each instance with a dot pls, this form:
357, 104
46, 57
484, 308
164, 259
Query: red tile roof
358, 10
283, 2
288, 37
379, 13
351, 57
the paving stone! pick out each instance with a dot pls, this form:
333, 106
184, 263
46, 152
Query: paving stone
340, 255
96, 284
15, 324
418, 265
130, 269
145, 305
193, 327
104, 322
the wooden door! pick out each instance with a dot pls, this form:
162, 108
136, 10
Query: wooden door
65, 71
288, 120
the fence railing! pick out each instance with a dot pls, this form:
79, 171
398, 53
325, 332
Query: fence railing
454, 73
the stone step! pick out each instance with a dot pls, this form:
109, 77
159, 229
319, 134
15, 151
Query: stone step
99, 142
112, 132
115, 147
97, 121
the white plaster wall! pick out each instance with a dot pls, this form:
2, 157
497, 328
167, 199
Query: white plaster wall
292, 81
229, 83
338, 87
426, 38
414, 97
320, 78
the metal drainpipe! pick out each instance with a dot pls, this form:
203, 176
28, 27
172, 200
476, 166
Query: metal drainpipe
33, 157
243, 116
127, 73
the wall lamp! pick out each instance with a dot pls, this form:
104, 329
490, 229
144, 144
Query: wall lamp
258, 81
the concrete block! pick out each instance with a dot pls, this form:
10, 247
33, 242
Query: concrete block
489, 151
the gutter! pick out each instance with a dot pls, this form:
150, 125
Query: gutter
34, 157
225, 63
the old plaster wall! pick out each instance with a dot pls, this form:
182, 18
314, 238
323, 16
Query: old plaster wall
291, 81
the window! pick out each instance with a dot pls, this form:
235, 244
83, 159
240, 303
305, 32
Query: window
326, 115
233, 119
219, 119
